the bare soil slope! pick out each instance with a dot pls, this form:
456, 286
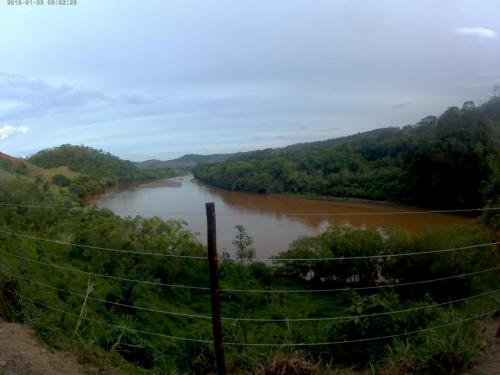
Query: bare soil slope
22, 354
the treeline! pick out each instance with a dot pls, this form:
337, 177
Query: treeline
96, 169
450, 161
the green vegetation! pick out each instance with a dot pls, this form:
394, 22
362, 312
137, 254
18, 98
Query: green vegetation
243, 244
450, 161
36, 293
96, 170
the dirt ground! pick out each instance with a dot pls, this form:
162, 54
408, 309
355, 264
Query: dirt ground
21, 353
490, 364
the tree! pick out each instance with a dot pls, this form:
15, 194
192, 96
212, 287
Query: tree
243, 244
61, 180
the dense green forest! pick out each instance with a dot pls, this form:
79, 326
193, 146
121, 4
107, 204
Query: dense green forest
44, 284
97, 169
450, 161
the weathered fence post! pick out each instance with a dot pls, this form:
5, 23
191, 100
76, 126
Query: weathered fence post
214, 288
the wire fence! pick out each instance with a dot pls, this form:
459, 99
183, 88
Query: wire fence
173, 213
257, 259
236, 290
283, 344
6, 232
260, 320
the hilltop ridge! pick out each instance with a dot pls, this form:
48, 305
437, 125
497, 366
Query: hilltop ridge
186, 161
449, 161
8, 157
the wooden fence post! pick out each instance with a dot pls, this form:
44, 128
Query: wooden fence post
214, 288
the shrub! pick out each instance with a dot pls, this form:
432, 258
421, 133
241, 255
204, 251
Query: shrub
448, 350
61, 180
361, 326
290, 364
11, 306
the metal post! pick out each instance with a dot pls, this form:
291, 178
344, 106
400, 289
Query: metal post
214, 288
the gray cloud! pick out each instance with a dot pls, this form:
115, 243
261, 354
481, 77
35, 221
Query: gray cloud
34, 97
401, 105
239, 75
23, 97
327, 129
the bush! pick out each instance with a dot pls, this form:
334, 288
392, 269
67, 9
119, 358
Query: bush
61, 180
6, 164
448, 350
360, 327
11, 306
291, 364
21, 168
77, 189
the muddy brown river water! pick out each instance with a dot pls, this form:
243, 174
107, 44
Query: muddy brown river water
273, 220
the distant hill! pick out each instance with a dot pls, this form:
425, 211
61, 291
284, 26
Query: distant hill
490, 112
451, 160
86, 160
12, 159
186, 161
7, 162
94, 169
10, 165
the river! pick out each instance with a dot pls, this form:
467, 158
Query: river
273, 220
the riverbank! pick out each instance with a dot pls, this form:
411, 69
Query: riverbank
352, 201
273, 220
89, 201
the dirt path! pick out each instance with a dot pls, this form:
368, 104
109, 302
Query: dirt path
490, 365
22, 354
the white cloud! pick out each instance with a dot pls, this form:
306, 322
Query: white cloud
8, 130
481, 32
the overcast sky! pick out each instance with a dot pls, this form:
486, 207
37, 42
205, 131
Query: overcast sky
161, 78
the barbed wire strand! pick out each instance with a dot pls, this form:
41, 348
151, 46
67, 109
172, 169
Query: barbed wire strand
275, 259
347, 317
365, 339
286, 320
77, 208
358, 288
73, 293
229, 290
105, 276
35, 302
64, 243
420, 212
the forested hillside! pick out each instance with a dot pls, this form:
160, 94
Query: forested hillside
450, 161
97, 169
